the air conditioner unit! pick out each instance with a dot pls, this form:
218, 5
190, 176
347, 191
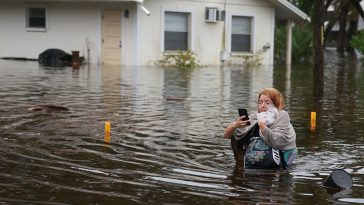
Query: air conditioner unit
211, 14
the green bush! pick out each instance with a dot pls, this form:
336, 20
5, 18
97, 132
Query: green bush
302, 43
181, 59
357, 42
280, 43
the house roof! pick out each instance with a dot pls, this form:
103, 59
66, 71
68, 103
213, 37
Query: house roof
286, 10
139, 1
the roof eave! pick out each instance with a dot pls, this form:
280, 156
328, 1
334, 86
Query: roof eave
293, 8
288, 11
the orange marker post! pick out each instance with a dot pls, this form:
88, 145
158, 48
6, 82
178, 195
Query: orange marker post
107, 136
313, 120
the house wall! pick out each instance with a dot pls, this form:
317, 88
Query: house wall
75, 26
207, 38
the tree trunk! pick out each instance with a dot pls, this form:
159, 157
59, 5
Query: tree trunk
342, 40
332, 21
318, 65
358, 7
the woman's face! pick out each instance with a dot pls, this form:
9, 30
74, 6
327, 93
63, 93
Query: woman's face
264, 103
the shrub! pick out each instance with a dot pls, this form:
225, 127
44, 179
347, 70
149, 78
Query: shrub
302, 43
181, 59
357, 42
254, 60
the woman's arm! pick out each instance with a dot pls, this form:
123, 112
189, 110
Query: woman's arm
229, 131
281, 134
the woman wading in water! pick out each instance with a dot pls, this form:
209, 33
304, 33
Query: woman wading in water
269, 142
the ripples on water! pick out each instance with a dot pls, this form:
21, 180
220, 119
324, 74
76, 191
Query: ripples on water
167, 126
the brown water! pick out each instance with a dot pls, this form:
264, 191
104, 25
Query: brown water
167, 126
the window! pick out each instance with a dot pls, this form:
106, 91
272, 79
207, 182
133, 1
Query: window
36, 17
241, 34
175, 31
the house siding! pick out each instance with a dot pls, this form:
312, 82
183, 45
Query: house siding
207, 38
77, 26
70, 26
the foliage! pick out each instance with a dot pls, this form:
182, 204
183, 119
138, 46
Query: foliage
305, 5
302, 43
181, 59
357, 42
302, 37
255, 59
280, 43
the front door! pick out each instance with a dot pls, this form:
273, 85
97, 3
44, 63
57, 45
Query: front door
111, 37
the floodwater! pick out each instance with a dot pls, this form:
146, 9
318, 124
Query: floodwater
167, 127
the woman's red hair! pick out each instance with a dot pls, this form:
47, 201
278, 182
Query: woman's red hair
275, 96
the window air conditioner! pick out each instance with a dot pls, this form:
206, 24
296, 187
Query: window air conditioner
211, 14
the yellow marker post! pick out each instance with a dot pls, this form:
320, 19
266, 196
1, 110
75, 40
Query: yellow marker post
313, 119
107, 132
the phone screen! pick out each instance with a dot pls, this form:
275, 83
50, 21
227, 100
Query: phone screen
244, 112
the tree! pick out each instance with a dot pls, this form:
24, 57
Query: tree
342, 39
346, 14
305, 5
356, 4
318, 64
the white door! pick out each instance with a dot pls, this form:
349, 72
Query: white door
111, 37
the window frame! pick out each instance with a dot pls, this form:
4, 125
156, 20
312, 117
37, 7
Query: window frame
190, 31
252, 35
27, 18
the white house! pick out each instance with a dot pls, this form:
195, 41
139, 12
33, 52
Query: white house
138, 32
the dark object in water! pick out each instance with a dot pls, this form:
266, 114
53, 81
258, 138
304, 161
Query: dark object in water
48, 108
173, 98
56, 58
239, 146
338, 179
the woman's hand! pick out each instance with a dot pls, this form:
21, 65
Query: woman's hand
240, 122
261, 123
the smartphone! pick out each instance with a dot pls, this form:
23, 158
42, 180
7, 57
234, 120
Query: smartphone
244, 112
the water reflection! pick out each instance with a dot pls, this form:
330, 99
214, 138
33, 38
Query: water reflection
262, 186
166, 134
110, 85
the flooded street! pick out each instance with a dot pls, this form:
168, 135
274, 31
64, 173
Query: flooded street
167, 127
